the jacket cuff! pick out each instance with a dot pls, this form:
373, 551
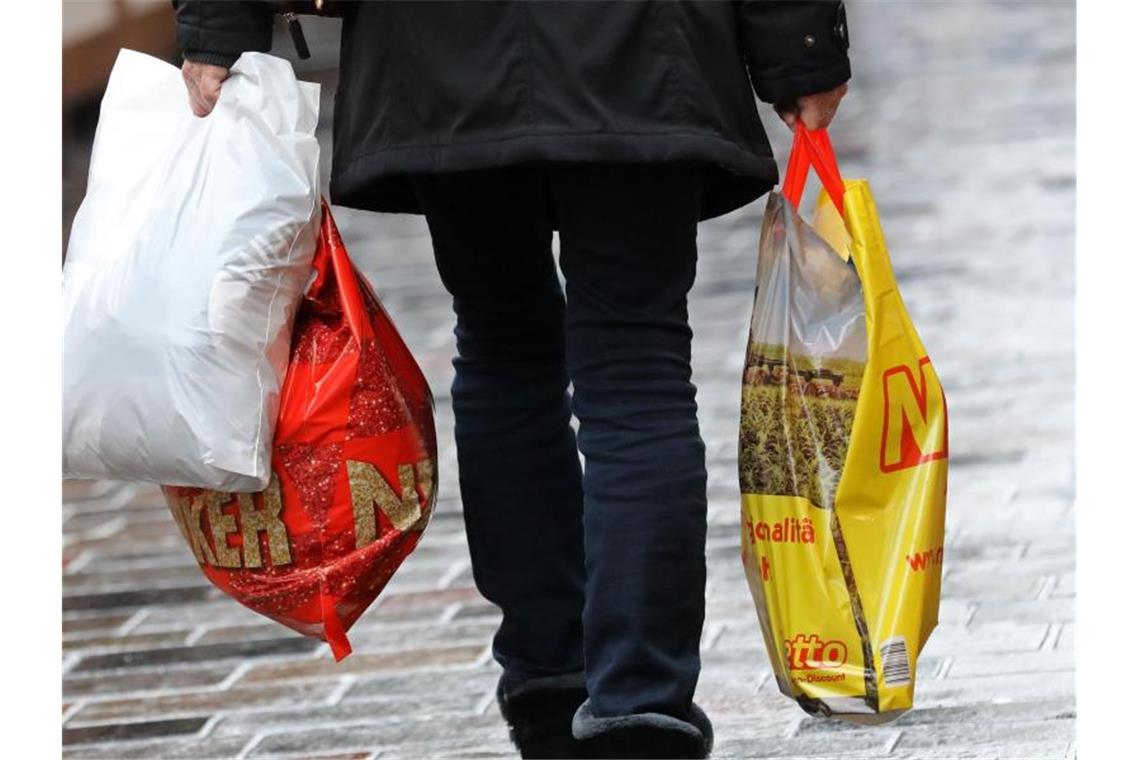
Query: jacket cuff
224, 27
224, 40
806, 83
215, 59
794, 48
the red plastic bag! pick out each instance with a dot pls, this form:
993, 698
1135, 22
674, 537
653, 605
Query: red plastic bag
354, 468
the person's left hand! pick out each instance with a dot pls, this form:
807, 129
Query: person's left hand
815, 110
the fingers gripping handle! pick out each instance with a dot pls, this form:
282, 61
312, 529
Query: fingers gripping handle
812, 148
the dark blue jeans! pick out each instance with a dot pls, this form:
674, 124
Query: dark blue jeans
601, 569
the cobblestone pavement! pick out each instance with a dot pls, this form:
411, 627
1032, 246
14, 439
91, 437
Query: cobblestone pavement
963, 116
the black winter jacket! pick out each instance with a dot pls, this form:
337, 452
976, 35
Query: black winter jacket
450, 86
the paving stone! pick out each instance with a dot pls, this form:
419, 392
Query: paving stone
980, 638
978, 584
463, 578
129, 642
374, 638
232, 633
402, 734
93, 523
138, 730
1062, 549
981, 711
380, 614
1067, 639
1015, 687
136, 598
373, 717
986, 734
1026, 610
443, 656
1014, 750
468, 752
367, 713
180, 576
206, 653
967, 549
955, 611
394, 686
144, 680
743, 636
749, 742
217, 610
94, 624
104, 561
182, 749
434, 598
768, 707
967, 665
123, 532
238, 699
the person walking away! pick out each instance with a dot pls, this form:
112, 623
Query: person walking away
619, 126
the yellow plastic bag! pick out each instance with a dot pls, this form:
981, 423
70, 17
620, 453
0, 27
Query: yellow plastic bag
843, 455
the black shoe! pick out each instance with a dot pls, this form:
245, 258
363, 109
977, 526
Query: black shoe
644, 735
539, 712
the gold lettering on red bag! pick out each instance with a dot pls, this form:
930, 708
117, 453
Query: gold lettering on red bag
198, 541
179, 507
426, 480
222, 524
370, 489
267, 519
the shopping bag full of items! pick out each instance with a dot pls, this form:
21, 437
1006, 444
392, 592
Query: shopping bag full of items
185, 264
354, 468
219, 341
843, 454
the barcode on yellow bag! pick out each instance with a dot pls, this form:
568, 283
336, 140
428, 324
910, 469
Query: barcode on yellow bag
896, 666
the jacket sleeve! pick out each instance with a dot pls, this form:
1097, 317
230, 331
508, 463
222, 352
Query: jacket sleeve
793, 47
219, 31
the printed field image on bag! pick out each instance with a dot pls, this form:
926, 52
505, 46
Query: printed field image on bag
354, 468
843, 454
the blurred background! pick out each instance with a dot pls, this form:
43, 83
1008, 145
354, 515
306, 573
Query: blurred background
93, 33
962, 115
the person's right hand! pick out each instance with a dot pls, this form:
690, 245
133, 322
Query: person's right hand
815, 110
204, 84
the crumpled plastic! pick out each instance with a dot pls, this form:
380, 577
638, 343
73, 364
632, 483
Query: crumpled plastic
843, 455
353, 470
184, 268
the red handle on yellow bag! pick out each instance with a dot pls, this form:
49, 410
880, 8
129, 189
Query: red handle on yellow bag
812, 148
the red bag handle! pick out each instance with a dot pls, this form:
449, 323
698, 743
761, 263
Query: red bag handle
796, 174
812, 148
331, 259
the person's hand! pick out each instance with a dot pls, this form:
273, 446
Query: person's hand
204, 84
816, 110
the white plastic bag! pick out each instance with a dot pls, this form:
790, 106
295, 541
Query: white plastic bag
184, 268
